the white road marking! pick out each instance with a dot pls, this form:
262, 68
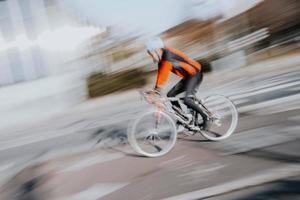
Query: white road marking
6, 167
173, 161
261, 85
203, 170
240, 101
262, 91
293, 130
95, 192
32, 139
53, 134
6, 172
294, 89
295, 118
269, 103
92, 161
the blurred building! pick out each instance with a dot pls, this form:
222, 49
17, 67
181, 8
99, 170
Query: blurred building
228, 33
268, 29
283, 21
18, 25
200, 35
244, 33
39, 68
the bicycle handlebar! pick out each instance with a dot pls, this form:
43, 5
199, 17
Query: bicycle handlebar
160, 97
146, 94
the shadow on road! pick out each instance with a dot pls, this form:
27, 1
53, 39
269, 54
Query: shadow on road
280, 190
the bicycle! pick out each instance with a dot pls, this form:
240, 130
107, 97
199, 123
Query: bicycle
154, 133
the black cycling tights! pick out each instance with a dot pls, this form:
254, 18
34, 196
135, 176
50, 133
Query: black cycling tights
189, 86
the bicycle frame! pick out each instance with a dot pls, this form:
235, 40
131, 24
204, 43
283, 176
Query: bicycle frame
164, 104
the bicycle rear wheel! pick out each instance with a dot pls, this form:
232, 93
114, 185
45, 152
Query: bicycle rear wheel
225, 119
153, 134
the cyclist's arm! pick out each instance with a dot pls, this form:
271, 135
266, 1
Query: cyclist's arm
163, 74
185, 57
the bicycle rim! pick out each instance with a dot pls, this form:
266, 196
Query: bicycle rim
226, 122
153, 134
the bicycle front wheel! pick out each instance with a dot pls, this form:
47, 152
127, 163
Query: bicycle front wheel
225, 119
153, 134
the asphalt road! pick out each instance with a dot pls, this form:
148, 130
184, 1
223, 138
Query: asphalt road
194, 169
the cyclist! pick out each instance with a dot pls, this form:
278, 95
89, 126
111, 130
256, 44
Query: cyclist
172, 60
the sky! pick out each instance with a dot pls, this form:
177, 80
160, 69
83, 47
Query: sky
151, 16
133, 15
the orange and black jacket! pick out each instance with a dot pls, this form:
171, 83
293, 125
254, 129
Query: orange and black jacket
177, 62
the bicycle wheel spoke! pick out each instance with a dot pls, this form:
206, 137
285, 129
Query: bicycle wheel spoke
145, 141
159, 138
146, 133
150, 140
158, 148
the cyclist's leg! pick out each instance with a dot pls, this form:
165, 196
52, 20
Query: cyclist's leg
177, 89
200, 78
191, 86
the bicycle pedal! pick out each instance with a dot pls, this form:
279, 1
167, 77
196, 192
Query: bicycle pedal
194, 128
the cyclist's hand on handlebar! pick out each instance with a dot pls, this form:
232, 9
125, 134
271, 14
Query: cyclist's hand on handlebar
153, 92
152, 95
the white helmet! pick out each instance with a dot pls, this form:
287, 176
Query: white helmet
154, 44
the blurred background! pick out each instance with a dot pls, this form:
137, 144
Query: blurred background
70, 69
